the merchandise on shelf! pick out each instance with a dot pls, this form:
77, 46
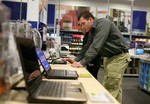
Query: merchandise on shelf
144, 79
74, 41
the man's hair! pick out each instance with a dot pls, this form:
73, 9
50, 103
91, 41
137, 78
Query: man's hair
86, 15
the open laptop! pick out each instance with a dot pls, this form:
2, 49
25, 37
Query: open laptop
54, 74
46, 91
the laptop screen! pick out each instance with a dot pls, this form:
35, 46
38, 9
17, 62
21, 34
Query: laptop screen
42, 59
139, 51
29, 62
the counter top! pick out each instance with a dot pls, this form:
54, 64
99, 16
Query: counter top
90, 84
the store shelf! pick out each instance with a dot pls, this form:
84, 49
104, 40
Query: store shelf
74, 40
71, 32
133, 68
144, 78
136, 36
131, 75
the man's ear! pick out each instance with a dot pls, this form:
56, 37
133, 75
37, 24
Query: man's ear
91, 19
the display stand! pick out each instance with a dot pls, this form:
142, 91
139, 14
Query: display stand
144, 76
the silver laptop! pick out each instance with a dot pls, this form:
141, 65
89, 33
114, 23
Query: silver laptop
44, 91
54, 74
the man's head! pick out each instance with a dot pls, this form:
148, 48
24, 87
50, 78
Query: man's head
86, 20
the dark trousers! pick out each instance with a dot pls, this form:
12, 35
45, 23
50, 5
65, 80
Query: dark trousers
93, 69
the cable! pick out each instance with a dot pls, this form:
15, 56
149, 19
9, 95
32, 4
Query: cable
15, 87
18, 88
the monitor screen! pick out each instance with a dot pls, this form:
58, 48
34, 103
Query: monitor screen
42, 59
139, 51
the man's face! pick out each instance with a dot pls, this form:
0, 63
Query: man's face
85, 25
80, 28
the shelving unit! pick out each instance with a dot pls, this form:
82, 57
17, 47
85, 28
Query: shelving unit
144, 76
74, 40
71, 32
76, 44
133, 69
136, 36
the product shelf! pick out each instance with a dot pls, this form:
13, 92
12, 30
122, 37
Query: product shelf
144, 76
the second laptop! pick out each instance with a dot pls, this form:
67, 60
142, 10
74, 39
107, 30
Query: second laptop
55, 73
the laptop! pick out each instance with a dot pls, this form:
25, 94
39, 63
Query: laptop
55, 73
139, 51
46, 91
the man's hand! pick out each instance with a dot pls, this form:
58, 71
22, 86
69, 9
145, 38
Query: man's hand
77, 65
70, 60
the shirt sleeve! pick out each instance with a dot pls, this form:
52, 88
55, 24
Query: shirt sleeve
101, 33
80, 56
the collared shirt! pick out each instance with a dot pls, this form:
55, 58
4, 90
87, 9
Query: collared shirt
96, 60
105, 40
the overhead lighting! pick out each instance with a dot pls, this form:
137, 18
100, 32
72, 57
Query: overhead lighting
131, 0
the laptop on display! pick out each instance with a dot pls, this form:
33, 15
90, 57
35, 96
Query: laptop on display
46, 91
139, 51
55, 73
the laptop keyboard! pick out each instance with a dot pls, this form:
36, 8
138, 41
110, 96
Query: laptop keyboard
54, 89
59, 72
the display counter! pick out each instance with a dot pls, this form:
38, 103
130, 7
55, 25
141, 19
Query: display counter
134, 66
92, 87
144, 74
140, 66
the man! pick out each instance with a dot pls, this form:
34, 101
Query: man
105, 40
94, 66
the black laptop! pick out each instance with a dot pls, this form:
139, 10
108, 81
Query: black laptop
46, 91
54, 73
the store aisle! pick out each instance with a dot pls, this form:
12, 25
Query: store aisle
131, 93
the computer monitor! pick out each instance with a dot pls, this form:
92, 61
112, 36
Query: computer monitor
139, 51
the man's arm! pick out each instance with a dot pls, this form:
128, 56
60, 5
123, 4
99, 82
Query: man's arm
85, 47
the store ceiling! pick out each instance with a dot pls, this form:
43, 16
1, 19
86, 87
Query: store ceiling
117, 1
120, 0
136, 2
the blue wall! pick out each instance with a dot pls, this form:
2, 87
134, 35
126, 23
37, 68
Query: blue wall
15, 9
51, 15
139, 20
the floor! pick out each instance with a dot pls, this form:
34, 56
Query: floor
131, 92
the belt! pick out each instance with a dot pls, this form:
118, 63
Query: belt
123, 51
